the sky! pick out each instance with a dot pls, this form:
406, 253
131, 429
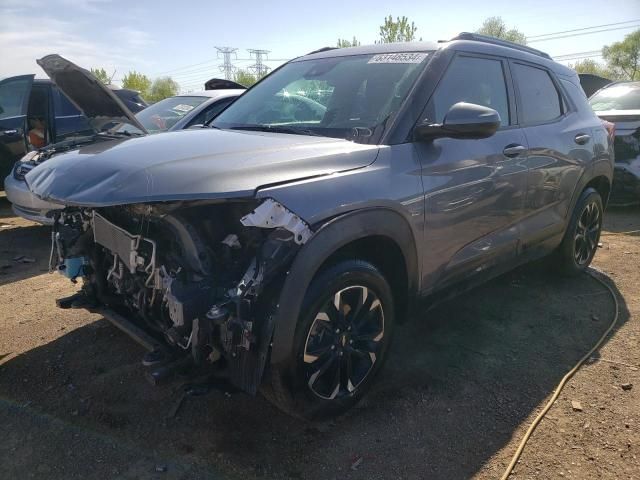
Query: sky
178, 38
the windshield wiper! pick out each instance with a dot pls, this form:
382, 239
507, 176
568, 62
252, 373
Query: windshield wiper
279, 129
122, 133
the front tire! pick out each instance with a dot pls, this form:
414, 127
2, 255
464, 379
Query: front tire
581, 239
341, 342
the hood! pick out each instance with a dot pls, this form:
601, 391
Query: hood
98, 103
190, 165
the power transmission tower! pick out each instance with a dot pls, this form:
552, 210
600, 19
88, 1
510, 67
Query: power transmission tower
227, 67
259, 68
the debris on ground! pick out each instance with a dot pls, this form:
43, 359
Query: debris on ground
626, 386
577, 406
356, 464
161, 468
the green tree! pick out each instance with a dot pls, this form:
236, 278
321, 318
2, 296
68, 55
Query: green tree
101, 74
161, 88
245, 78
399, 30
589, 65
138, 82
495, 27
623, 58
343, 43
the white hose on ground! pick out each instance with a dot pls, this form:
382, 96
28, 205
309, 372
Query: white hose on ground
592, 271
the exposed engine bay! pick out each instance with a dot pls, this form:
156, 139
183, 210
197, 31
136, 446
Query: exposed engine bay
202, 276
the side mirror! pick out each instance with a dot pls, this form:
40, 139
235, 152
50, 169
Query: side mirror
463, 120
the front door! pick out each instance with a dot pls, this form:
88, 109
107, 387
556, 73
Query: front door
14, 102
474, 189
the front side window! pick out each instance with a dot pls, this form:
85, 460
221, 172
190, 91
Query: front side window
210, 112
348, 97
539, 97
472, 80
623, 96
13, 97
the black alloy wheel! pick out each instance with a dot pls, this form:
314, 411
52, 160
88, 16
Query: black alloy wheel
344, 342
342, 339
582, 235
587, 233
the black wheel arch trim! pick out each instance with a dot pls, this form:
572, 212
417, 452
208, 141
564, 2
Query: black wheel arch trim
328, 239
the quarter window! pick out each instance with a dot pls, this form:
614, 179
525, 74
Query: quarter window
472, 80
539, 97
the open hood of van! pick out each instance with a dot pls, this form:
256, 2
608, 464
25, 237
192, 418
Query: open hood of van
98, 103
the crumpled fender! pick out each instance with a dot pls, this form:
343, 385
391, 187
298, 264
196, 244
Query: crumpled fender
327, 239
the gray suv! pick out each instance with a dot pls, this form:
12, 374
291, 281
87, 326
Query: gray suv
328, 204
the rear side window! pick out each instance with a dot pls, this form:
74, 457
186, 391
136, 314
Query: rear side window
539, 98
472, 80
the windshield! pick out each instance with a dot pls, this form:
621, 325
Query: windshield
342, 97
161, 116
617, 97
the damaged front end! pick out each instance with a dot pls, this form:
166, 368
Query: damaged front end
203, 276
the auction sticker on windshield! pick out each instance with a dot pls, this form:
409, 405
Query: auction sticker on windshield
183, 108
409, 57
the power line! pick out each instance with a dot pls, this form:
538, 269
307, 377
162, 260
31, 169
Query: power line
580, 34
584, 28
592, 52
578, 58
186, 66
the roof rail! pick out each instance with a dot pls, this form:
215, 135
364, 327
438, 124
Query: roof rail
497, 41
323, 49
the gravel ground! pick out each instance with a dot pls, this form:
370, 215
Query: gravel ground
457, 394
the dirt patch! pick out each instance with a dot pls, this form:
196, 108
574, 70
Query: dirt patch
460, 388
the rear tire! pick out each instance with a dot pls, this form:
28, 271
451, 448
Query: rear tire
341, 342
581, 238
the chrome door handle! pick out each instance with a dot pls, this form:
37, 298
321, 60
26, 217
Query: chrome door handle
514, 150
9, 132
582, 138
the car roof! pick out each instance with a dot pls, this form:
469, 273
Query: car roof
634, 83
467, 42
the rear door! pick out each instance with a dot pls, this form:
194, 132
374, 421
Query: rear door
561, 147
474, 189
14, 102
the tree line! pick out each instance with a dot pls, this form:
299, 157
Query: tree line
622, 59
151, 91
